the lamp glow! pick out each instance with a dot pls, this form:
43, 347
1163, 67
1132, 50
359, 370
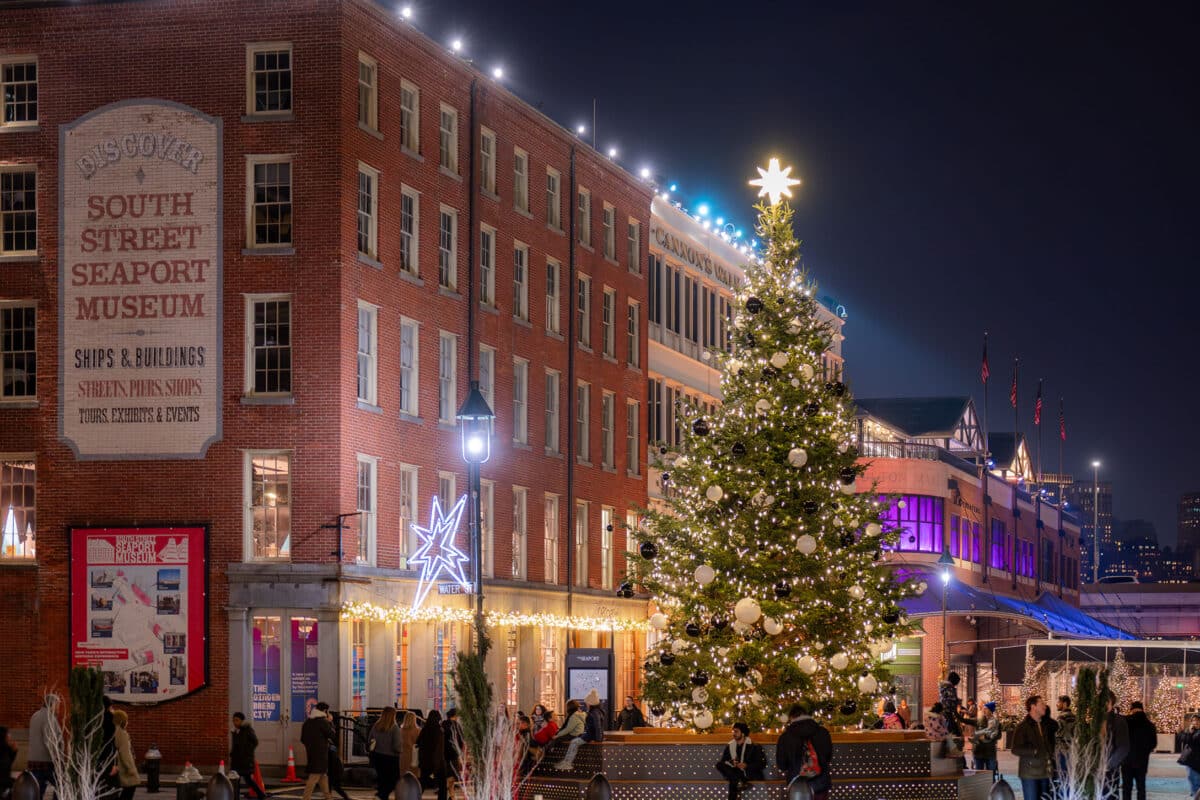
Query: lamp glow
720, 220
644, 172
498, 73
475, 445
612, 152
406, 12
702, 209
580, 129
456, 45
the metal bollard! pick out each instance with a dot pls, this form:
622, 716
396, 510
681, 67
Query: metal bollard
598, 788
799, 789
1001, 791
219, 788
408, 787
26, 787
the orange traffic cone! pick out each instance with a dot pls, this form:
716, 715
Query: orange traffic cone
258, 777
290, 777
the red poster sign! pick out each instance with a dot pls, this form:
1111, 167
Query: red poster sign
138, 609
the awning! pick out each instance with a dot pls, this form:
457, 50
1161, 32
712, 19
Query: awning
1055, 616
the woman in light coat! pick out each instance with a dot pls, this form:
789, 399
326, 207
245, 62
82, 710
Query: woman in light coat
125, 768
409, 731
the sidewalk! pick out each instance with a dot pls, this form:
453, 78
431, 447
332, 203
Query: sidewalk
1166, 779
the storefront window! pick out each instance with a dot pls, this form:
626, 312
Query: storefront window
548, 672
919, 520
18, 513
401, 665
631, 667
510, 669
304, 678
358, 665
445, 655
266, 645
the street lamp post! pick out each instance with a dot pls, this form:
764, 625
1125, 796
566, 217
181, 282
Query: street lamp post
475, 419
946, 564
1095, 522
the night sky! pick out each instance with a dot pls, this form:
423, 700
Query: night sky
1026, 169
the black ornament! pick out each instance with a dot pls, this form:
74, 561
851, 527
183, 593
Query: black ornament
847, 540
649, 550
608, 528
719, 622
891, 690
657, 711
754, 305
666, 477
751, 341
699, 678
662, 451
667, 658
769, 373
891, 616
700, 427
741, 373
738, 450
839, 388
783, 589
828, 387
692, 629
848, 708
812, 409
811, 506
741, 667
848, 475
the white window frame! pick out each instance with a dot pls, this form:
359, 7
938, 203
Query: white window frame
634, 254
520, 400
487, 374
252, 242
410, 374
410, 133
254, 49
27, 554
412, 262
553, 198
550, 535
633, 411
410, 486
583, 421
448, 257
15, 305
633, 331
372, 174
447, 489
447, 377
37, 201
487, 266
631, 525
608, 421
553, 387
367, 521
579, 541
10, 61
252, 300
608, 322
583, 216
607, 529
448, 138
520, 180
609, 220
248, 507
583, 309
368, 107
553, 298
487, 160
521, 281
371, 395
487, 526
520, 532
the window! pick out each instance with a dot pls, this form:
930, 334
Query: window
18, 485
520, 281
607, 412
368, 218
269, 78
654, 410
634, 255
368, 92
448, 249
410, 367
606, 547
583, 218
581, 542
18, 354
584, 310
410, 230
268, 505
552, 422
520, 401
18, 211
552, 281
632, 444
487, 374
550, 539
549, 679
610, 232
269, 222
368, 351
410, 117
487, 160
553, 201
999, 557
269, 341
919, 522
631, 526
608, 323
20, 90
408, 512
358, 665
654, 288
487, 525
487, 266
633, 351
367, 469
447, 377
447, 482
582, 420
401, 664
520, 180
448, 139
519, 533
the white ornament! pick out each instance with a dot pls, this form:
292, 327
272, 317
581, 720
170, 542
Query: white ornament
774, 182
839, 661
901, 504
921, 587
703, 719
714, 493
807, 664
759, 499
867, 684
678, 646
772, 626
806, 544
706, 355
847, 488
796, 382
704, 574
857, 592
762, 406
795, 325
843, 447
681, 461
874, 529
797, 457
747, 610
806, 372
734, 365
658, 621
756, 699
868, 626
699, 694
722, 651
779, 360
740, 627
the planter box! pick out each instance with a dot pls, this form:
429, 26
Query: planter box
1166, 743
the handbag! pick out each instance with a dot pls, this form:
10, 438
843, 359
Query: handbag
1185, 755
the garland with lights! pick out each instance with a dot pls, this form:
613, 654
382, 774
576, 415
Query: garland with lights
496, 619
768, 569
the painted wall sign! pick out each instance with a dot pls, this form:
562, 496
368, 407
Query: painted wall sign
696, 257
138, 609
140, 281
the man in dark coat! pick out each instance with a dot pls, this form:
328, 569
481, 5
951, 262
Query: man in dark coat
1033, 745
1191, 754
316, 734
1117, 732
792, 748
741, 760
631, 716
1143, 738
243, 743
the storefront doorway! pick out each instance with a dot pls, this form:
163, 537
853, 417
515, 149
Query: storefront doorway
284, 682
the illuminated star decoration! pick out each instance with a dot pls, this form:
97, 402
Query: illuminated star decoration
774, 182
437, 551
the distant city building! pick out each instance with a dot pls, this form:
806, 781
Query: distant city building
1187, 543
1081, 499
1174, 567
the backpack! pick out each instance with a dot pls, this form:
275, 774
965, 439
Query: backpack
810, 766
892, 722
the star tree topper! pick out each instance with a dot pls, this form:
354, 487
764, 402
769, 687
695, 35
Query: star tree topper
774, 182
437, 551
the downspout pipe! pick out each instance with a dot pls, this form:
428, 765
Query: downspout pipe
571, 285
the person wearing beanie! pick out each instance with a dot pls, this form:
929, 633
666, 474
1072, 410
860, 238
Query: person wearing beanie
987, 734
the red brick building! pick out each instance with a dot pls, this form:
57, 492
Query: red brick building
268, 246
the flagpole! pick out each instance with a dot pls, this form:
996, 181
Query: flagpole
987, 454
1039, 434
1016, 404
1061, 424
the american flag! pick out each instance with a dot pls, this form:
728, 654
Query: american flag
984, 371
1037, 405
1062, 421
1012, 393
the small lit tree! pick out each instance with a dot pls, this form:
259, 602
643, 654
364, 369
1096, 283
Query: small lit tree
1035, 678
1191, 694
1165, 710
1124, 685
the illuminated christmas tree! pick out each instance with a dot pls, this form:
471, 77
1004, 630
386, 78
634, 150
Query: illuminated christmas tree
1165, 709
1034, 681
769, 571
1191, 694
1120, 679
